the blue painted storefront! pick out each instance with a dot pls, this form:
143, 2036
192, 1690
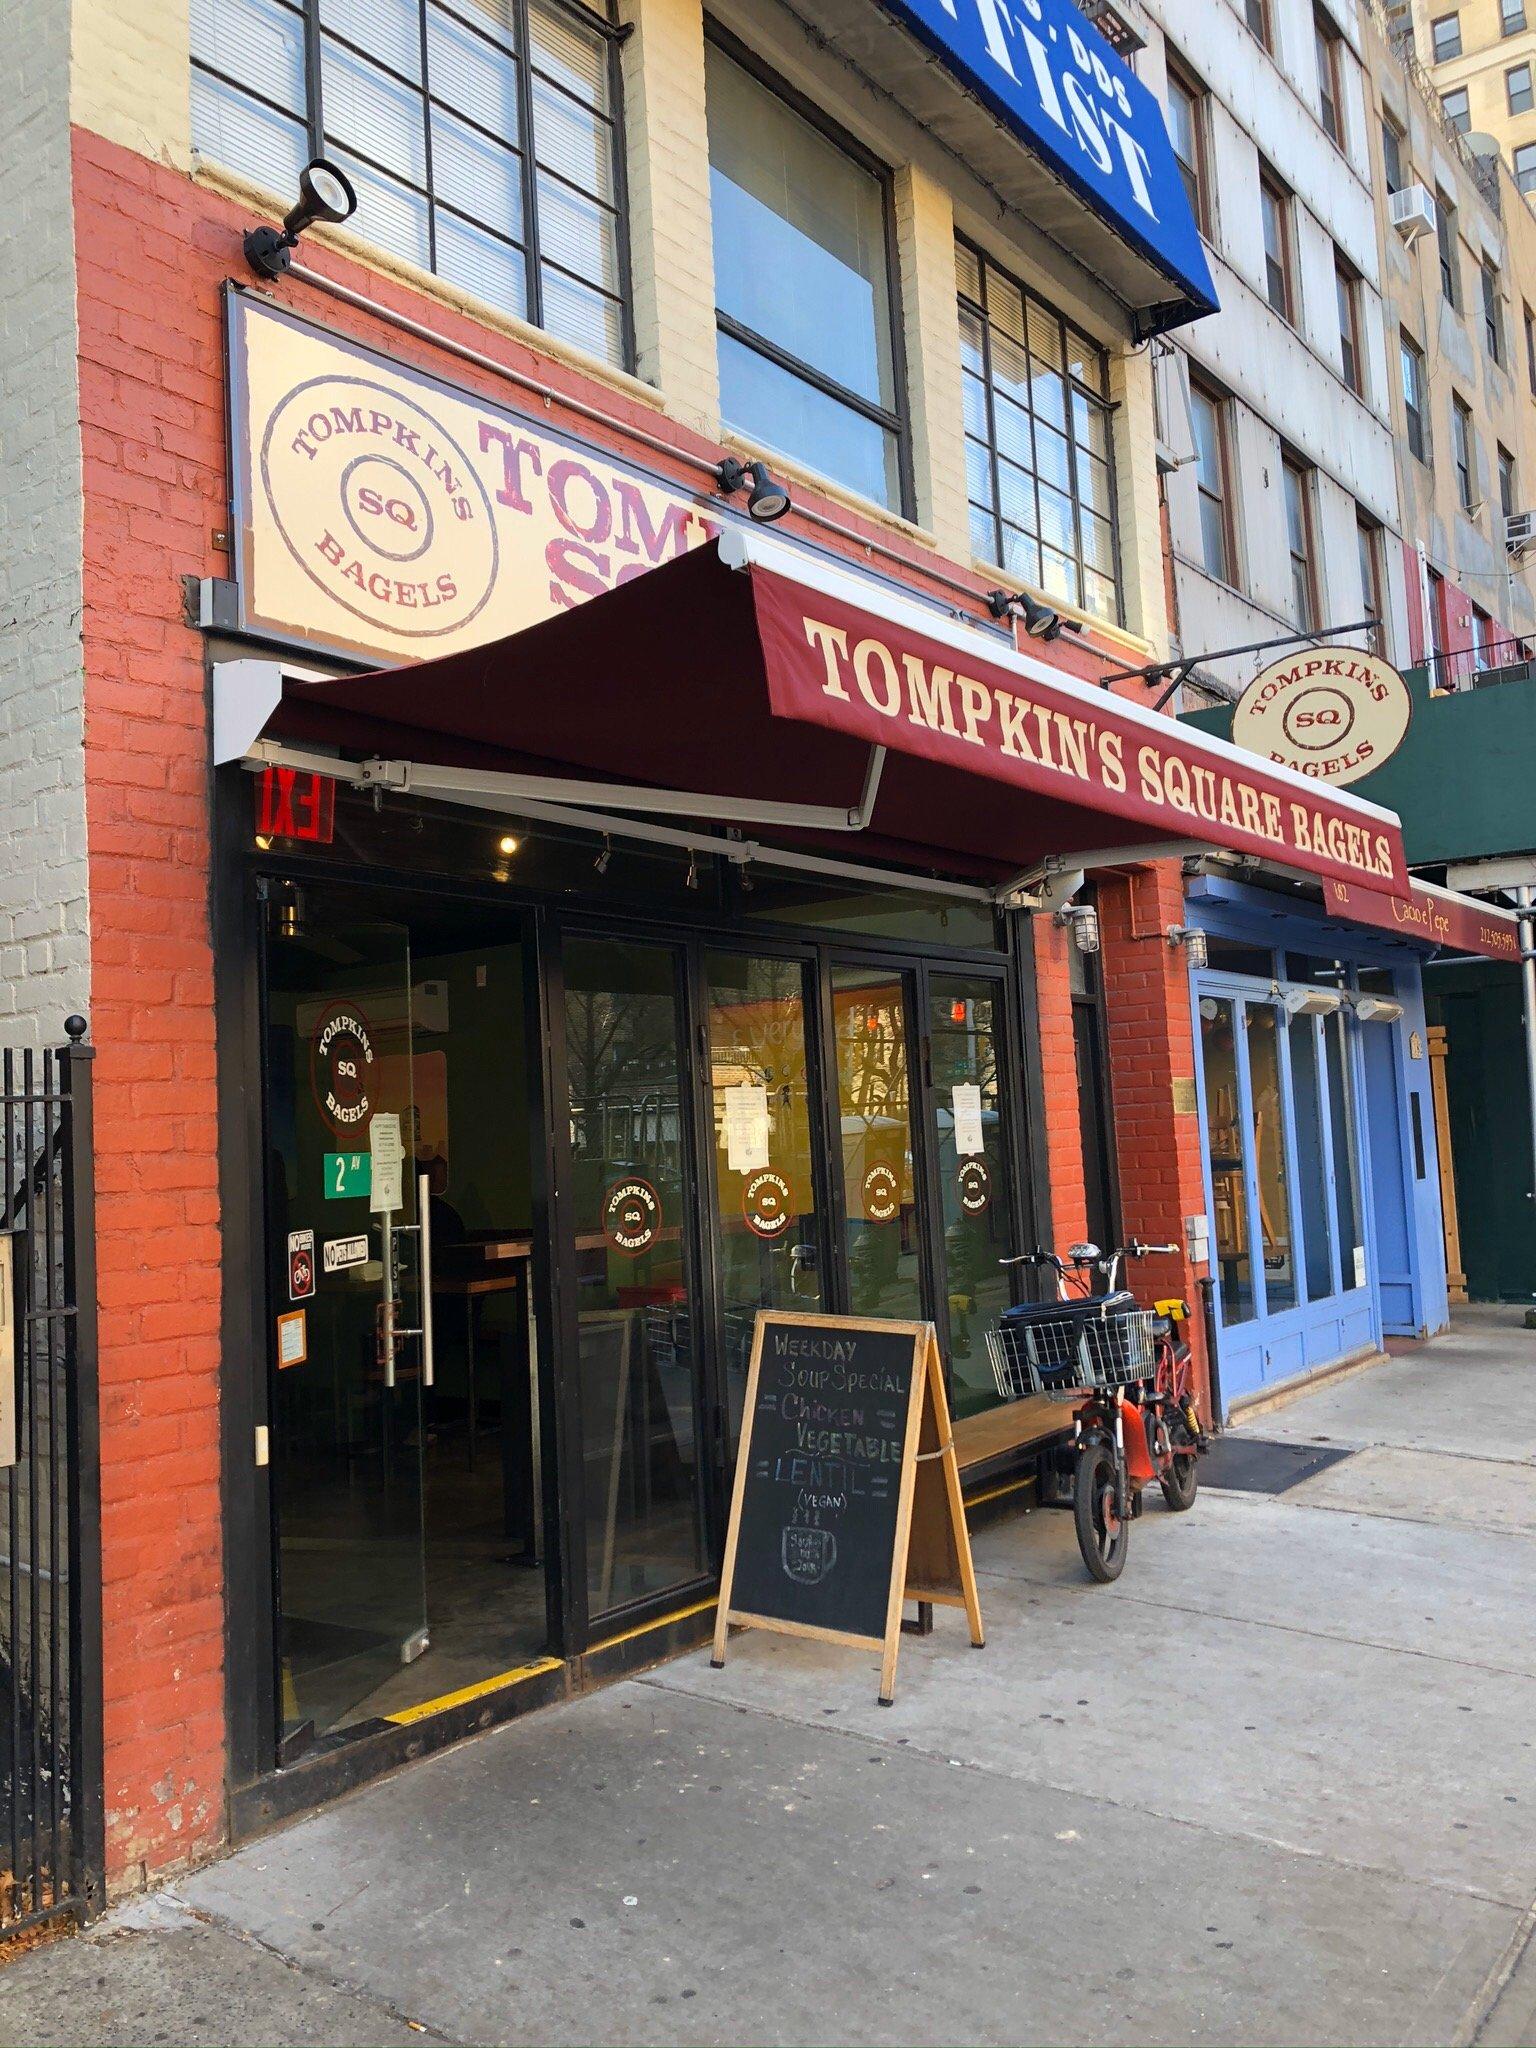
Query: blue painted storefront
1318, 1137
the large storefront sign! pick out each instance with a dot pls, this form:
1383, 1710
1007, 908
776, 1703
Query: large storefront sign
388, 514
1431, 917
1335, 713
1053, 79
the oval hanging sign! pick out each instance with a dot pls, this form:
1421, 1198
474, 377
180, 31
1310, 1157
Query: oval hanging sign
1333, 713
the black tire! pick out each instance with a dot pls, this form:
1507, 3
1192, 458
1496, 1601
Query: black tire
1102, 1536
1181, 1482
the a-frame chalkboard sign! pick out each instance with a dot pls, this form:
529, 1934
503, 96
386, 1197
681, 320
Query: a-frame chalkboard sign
847, 1495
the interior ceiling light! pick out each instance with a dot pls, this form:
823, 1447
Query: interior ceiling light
1040, 621
325, 193
766, 501
509, 842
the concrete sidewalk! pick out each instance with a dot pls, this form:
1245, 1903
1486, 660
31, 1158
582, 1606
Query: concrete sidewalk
1277, 1785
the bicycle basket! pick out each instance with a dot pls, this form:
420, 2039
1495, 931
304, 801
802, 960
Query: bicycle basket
1063, 1349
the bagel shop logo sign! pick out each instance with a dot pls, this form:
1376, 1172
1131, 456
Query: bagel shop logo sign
1333, 713
389, 514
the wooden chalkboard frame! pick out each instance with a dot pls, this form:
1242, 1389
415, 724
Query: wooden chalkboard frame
933, 1509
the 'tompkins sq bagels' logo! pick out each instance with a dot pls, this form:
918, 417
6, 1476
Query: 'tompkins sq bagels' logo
379, 506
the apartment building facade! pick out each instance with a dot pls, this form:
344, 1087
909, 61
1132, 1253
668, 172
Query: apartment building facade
1478, 59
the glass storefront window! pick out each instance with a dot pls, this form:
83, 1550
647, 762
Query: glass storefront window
1311, 1158
1224, 1143
766, 1228
968, 1138
874, 1097
1230, 956
1269, 1151
630, 1193
905, 915
1346, 1155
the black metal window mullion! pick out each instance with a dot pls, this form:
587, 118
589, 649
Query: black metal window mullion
426, 134
532, 266
314, 90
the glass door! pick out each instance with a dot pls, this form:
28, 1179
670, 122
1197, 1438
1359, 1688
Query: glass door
632, 1191
882, 1229
347, 1358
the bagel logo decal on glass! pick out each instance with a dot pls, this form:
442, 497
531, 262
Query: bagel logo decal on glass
341, 1068
1333, 713
632, 1216
767, 1203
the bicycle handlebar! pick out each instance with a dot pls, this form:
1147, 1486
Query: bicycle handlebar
1135, 1249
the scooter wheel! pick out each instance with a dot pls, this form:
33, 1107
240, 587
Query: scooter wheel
1103, 1533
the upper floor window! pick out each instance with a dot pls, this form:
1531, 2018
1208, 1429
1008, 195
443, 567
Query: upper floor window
1213, 482
1517, 88
1392, 155
1445, 238
1186, 129
1525, 167
1462, 453
1330, 76
1256, 14
1530, 347
1445, 37
1368, 541
481, 135
1456, 109
1493, 313
1511, 17
1434, 614
1416, 416
1275, 212
1297, 479
1038, 440
1509, 497
804, 285
1347, 287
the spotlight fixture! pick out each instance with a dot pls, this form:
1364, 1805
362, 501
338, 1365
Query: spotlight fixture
1377, 1009
766, 501
1040, 621
1311, 1002
601, 863
1196, 946
1084, 921
325, 193
691, 879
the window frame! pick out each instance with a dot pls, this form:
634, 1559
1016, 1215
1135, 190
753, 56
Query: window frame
1347, 290
1459, 118
1273, 186
1182, 80
1373, 592
1511, 17
1305, 475
1509, 481
1493, 312
1263, 29
897, 421
1392, 141
1436, 54
1447, 245
599, 19
1510, 75
1527, 171
1221, 408
1530, 345
1330, 75
1464, 454
1434, 619
993, 446
1418, 431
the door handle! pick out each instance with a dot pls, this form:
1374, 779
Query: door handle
424, 1224
388, 1307
422, 1228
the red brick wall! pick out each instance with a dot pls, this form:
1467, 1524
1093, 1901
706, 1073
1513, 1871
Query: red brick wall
1058, 1075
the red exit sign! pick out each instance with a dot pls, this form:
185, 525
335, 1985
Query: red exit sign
293, 804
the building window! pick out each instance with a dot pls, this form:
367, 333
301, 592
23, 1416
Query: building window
1208, 418
1530, 346
1274, 209
1368, 540
1511, 17
1297, 481
1462, 454
1392, 156
1256, 14
1186, 129
1493, 313
1038, 441
1517, 89
1482, 638
1434, 621
482, 137
1509, 496
1445, 37
804, 286
1347, 286
1525, 167
1445, 236
1411, 357
1330, 81
1456, 109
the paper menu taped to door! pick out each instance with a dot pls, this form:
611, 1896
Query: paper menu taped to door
387, 1156
967, 1114
746, 1128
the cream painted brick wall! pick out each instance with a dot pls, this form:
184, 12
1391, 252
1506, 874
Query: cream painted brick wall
925, 241
130, 76
44, 943
670, 240
1137, 508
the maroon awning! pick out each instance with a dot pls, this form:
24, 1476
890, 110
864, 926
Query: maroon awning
1429, 916
750, 671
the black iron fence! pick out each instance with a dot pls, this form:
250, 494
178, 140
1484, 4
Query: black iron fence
1478, 668
51, 1808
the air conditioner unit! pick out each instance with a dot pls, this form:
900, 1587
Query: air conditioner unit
1412, 212
1520, 532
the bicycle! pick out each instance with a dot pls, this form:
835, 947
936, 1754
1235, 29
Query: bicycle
1128, 1374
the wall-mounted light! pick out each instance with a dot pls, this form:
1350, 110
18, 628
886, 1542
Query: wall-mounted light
1040, 621
1311, 1002
1197, 950
1084, 921
290, 912
325, 193
766, 501
1377, 1009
